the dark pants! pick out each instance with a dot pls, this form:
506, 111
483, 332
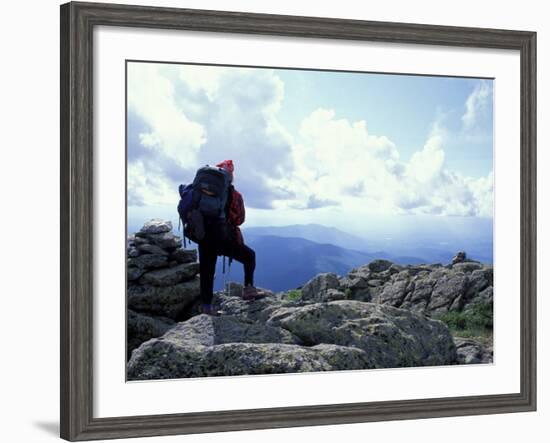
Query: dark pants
215, 244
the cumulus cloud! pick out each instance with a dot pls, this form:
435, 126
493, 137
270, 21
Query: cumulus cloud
183, 117
476, 104
340, 162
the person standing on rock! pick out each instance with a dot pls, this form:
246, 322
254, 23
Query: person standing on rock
224, 237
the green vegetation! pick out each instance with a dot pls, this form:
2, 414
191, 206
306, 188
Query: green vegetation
294, 294
475, 321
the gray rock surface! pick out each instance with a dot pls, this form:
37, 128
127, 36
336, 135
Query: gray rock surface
472, 352
149, 261
133, 273
170, 276
316, 288
184, 256
141, 328
391, 337
147, 248
155, 226
168, 301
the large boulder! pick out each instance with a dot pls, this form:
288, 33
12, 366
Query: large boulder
259, 310
133, 273
184, 255
379, 265
146, 248
141, 328
164, 359
170, 276
393, 293
155, 226
317, 288
167, 301
356, 288
205, 330
390, 337
470, 351
165, 240
149, 261
446, 289
222, 346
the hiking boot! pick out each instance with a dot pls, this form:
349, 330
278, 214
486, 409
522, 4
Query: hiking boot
251, 293
210, 310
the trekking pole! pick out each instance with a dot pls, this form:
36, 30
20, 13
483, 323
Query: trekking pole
224, 277
229, 273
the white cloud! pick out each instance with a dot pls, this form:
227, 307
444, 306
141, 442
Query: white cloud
172, 134
476, 103
340, 161
182, 117
192, 116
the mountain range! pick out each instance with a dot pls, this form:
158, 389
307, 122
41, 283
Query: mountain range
288, 256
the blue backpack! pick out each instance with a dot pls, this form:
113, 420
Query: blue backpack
206, 197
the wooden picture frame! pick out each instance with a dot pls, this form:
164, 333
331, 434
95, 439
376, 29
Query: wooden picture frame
77, 23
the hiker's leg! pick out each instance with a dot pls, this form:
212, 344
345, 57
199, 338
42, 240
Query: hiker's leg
207, 269
247, 257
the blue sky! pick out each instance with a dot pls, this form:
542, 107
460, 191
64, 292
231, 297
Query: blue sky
312, 146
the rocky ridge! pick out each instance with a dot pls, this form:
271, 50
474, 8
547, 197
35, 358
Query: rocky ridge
379, 315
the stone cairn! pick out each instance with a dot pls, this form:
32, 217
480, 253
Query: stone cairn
163, 285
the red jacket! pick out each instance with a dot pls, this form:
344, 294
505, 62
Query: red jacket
236, 214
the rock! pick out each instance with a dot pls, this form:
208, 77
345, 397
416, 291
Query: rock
477, 282
418, 298
470, 351
205, 330
139, 241
485, 296
446, 290
393, 293
133, 273
467, 266
343, 358
235, 289
375, 283
133, 252
259, 310
395, 269
149, 261
356, 288
170, 276
333, 294
146, 248
155, 226
141, 328
390, 337
223, 346
130, 241
361, 272
163, 359
379, 265
317, 287
459, 257
167, 301
184, 255
166, 240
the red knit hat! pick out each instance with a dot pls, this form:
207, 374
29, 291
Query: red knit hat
227, 165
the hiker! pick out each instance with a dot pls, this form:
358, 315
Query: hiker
218, 234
